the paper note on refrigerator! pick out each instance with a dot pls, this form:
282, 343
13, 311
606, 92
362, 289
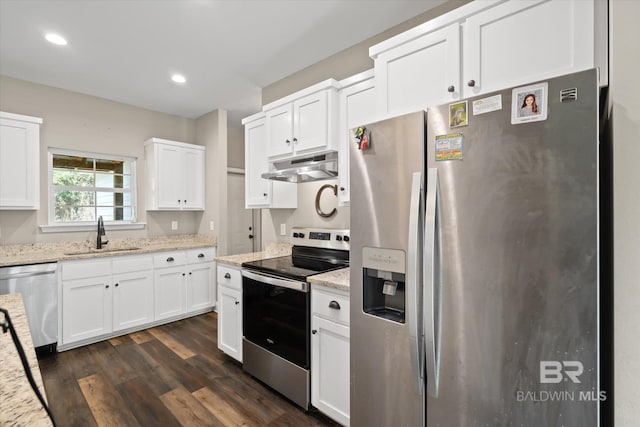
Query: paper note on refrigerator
449, 147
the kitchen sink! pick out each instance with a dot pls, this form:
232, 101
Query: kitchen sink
101, 251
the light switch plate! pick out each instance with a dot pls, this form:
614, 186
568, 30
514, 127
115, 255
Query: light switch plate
174, 225
283, 229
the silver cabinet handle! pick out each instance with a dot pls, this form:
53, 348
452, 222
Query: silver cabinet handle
432, 282
416, 209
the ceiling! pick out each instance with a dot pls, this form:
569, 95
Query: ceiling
127, 50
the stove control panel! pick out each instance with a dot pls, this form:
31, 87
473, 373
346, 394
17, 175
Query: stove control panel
321, 237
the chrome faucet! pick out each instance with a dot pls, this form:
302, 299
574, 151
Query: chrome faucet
100, 233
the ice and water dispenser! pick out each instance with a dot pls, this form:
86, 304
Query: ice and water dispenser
383, 280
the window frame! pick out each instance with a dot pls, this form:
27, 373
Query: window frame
54, 226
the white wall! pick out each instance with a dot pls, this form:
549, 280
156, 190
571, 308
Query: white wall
87, 123
625, 114
305, 215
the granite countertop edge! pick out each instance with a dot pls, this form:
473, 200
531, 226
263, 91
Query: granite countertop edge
38, 253
336, 279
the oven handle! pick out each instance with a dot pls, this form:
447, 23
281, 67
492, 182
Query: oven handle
275, 281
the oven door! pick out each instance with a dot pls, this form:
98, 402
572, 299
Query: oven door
276, 316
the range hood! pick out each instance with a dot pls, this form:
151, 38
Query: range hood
305, 169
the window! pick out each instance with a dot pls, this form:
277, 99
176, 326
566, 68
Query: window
84, 186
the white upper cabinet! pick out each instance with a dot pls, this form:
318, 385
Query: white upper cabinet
175, 175
19, 161
260, 192
486, 46
303, 123
427, 68
357, 107
518, 42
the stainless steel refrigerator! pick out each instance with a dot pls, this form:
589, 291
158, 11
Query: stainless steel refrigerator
474, 261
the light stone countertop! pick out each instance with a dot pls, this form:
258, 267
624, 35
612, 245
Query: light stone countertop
36, 253
273, 250
336, 279
19, 405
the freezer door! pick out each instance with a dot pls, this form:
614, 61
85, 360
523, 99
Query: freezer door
387, 198
519, 257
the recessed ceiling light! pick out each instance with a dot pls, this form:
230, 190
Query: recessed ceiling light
178, 78
56, 39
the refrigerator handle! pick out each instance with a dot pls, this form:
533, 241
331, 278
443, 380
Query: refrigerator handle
414, 296
433, 283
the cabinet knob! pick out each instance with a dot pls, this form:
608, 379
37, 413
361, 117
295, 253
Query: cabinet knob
264, 194
185, 201
451, 89
334, 305
342, 188
184, 274
227, 276
287, 141
471, 83
295, 140
170, 259
251, 236
200, 255
117, 285
107, 286
314, 331
179, 200
237, 302
190, 273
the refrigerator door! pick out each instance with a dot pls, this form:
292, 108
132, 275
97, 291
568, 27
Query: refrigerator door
387, 198
519, 257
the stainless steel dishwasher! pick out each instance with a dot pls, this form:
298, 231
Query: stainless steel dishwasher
38, 285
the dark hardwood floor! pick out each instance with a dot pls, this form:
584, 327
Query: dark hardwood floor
171, 375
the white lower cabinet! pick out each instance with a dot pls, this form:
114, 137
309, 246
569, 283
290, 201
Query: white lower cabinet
132, 289
330, 353
230, 311
87, 307
106, 297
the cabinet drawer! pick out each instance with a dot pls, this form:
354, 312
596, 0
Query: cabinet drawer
230, 277
81, 269
200, 255
132, 263
320, 305
169, 259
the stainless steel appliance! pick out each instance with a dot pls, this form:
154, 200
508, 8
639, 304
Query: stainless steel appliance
39, 288
474, 263
276, 309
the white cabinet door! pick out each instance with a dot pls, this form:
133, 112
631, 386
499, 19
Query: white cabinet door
194, 178
87, 308
310, 123
279, 127
519, 42
330, 368
175, 175
260, 192
19, 161
169, 292
255, 150
357, 107
421, 73
132, 299
170, 177
230, 322
200, 286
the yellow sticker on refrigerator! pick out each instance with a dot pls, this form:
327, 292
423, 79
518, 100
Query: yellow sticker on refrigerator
449, 147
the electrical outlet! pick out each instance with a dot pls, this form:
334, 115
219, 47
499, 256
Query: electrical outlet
174, 225
283, 229
211, 225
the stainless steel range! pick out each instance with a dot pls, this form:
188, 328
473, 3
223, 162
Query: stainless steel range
276, 309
